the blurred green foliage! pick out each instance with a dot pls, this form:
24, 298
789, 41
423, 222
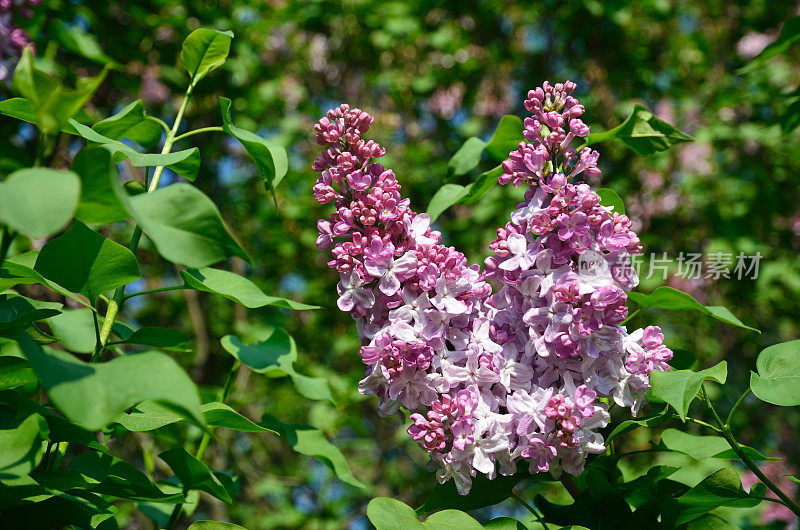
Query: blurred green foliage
434, 74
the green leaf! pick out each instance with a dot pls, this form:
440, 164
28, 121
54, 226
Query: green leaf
391, 514
117, 478
505, 523
53, 104
21, 109
194, 475
778, 377
185, 163
482, 185
23, 193
19, 269
484, 492
450, 194
655, 419
221, 415
790, 119
76, 40
467, 157
444, 198
80, 508
668, 298
270, 158
643, 133
203, 51
609, 197
158, 338
790, 35
214, 525
679, 387
93, 395
16, 311
275, 357
506, 137
310, 441
148, 416
131, 122
21, 435
15, 372
98, 204
83, 261
722, 488
74, 329
702, 447
236, 288
185, 226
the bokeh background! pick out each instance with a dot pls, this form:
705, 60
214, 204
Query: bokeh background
434, 73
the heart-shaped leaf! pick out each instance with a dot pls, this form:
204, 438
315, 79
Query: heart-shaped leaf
467, 157
203, 51
158, 338
236, 288
23, 193
790, 35
131, 122
679, 387
642, 132
609, 197
98, 204
117, 478
19, 269
484, 492
668, 298
17, 312
702, 447
83, 261
391, 514
778, 377
194, 475
506, 137
214, 525
275, 356
722, 488
185, 226
93, 395
310, 441
270, 158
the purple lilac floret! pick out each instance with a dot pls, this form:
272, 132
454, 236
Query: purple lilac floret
13, 39
491, 376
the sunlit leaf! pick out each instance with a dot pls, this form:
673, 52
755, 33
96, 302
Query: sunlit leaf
22, 432
702, 447
778, 377
23, 193
203, 51
236, 288
270, 158
15, 372
131, 122
666, 297
93, 395
275, 356
678, 388
98, 202
609, 197
310, 441
642, 132
467, 157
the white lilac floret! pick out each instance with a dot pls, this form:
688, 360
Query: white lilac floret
491, 375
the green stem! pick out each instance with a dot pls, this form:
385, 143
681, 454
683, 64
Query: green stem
198, 131
159, 121
157, 290
736, 406
728, 435
205, 440
630, 316
170, 139
5, 244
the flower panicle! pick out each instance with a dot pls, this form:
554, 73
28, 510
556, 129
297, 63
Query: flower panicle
491, 376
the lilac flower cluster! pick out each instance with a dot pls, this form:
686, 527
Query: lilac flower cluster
526, 370
13, 39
